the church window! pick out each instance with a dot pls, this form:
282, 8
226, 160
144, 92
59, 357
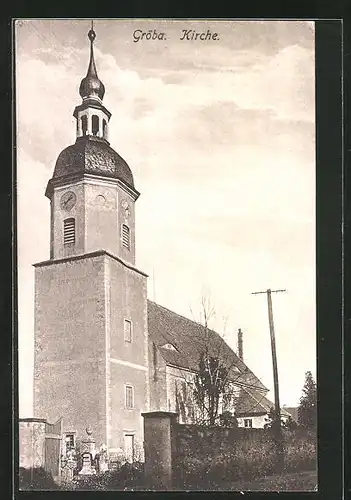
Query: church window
126, 236
104, 128
129, 393
84, 124
95, 124
127, 330
248, 422
69, 231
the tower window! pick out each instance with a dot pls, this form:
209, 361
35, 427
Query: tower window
95, 124
104, 128
126, 236
84, 124
69, 232
129, 393
127, 330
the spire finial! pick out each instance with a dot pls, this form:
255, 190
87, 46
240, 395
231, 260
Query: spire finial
91, 85
91, 33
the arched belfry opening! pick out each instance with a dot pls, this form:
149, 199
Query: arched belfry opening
84, 121
95, 125
104, 128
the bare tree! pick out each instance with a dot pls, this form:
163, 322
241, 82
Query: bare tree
219, 375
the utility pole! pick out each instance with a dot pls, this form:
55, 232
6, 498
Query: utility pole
277, 422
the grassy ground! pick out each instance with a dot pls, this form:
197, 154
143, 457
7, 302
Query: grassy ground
300, 481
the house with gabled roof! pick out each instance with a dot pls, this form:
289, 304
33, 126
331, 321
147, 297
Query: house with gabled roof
253, 408
175, 343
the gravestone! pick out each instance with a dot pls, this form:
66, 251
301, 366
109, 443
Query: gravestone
103, 459
88, 444
88, 455
87, 469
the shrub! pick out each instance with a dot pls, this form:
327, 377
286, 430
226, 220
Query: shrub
36, 478
127, 476
300, 454
192, 471
247, 460
88, 483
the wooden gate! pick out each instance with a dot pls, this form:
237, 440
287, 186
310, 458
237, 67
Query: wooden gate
52, 453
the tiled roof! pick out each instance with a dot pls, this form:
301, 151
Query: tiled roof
188, 337
93, 155
254, 403
292, 410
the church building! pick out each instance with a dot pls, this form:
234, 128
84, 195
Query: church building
104, 353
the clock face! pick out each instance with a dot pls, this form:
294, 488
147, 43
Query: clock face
68, 200
100, 200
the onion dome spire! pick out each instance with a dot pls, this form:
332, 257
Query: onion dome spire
91, 86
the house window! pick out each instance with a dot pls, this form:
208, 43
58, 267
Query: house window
95, 124
129, 397
69, 232
127, 330
84, 124
126, 236
248, 422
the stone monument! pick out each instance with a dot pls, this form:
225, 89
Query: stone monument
103, 459
88, 455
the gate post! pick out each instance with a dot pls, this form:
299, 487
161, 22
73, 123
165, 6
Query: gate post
159, 445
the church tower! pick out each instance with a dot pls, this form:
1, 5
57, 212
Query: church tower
91, 340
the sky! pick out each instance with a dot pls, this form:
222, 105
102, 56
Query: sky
220, 137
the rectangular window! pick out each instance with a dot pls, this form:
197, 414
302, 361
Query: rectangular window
69, 231
248, 422
129, 397
127, 330
126, 236
69, 441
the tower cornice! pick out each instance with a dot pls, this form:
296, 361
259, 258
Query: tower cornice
91, 103
81, 176
89, 255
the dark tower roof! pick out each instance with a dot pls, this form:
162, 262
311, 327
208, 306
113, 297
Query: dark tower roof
93, 156
91, 86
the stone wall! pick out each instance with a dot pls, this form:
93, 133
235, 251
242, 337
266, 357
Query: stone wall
184, 456
40, 445
32, 443
168, 445
199, 441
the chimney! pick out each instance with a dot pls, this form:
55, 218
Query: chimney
240, 344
